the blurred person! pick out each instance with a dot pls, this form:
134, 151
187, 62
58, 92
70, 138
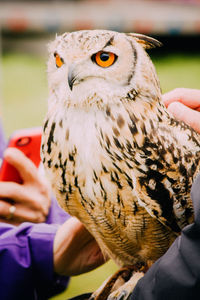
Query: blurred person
27, 202
176, 275
31, 200
36, 260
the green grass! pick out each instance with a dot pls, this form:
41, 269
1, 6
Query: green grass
178, 70
87, 282
24, 90
24, 102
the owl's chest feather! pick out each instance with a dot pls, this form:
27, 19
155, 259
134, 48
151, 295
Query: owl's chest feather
90, 160
84, 171
80, 145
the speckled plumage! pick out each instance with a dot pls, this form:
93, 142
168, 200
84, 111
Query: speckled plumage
117, 160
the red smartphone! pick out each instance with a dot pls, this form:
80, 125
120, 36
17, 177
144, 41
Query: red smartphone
29, 142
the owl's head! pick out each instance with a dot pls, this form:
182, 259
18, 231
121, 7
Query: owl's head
91, 65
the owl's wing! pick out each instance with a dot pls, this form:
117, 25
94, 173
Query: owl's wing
158, 202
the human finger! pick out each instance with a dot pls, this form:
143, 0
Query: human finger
189, 97
16, 213
15, 191
27, 196
185, 114
35, 183
7, 210
12, 190
23, 164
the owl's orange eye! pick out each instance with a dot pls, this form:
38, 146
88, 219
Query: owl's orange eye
59, 60
104, 59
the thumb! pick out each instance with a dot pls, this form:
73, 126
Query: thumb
22, 164
185, 114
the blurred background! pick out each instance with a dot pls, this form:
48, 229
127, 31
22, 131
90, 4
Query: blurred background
26, 27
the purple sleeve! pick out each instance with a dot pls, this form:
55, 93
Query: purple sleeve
26, 261
56, 214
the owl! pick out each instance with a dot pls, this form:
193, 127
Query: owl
116, 158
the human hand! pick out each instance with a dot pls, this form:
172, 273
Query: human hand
75, 249
184, 104
31, 198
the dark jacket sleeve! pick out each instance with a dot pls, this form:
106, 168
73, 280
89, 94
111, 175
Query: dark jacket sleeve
176, 275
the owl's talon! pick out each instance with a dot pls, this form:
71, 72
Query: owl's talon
124, 291
122, 295
119, 286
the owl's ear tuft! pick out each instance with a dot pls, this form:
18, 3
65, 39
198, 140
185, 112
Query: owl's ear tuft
50, 47
147, 42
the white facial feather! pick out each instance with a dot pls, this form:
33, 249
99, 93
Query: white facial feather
109, 83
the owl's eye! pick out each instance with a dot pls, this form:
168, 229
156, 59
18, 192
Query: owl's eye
59, 60
104, 59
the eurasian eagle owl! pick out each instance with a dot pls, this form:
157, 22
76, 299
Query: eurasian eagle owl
117, 160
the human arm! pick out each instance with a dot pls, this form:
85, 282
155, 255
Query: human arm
26, 260
75, 249
184, 104
31, 198
26, 254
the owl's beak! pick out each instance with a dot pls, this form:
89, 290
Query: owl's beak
71, 77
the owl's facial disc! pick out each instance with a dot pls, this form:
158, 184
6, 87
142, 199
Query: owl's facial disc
109, 64
102, 59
